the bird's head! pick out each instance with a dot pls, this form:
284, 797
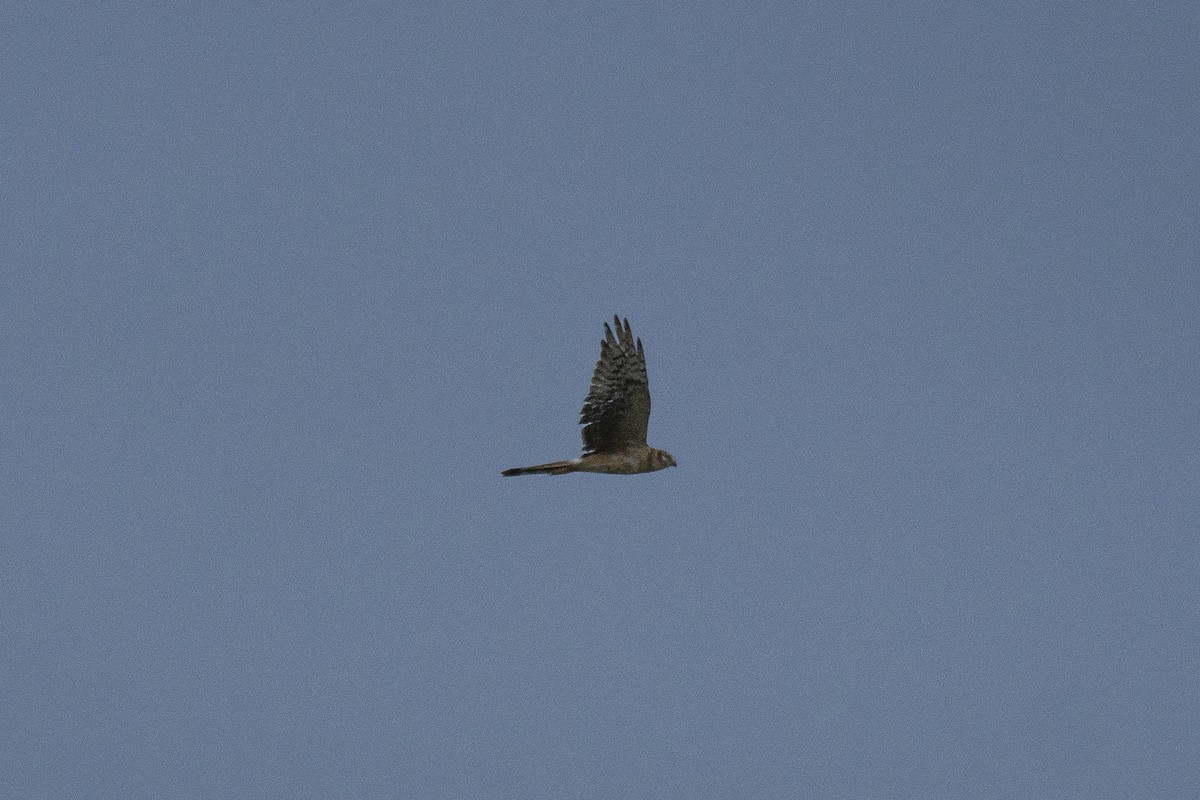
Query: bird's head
661, 459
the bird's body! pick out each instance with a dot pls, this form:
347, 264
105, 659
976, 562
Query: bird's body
615, 415
628, 462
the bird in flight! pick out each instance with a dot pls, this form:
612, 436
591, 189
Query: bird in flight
615, 414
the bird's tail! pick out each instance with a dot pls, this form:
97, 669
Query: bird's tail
553, 468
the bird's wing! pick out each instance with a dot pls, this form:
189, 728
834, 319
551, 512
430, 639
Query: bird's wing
616, 412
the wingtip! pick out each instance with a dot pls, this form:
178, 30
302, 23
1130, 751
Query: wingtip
624, 332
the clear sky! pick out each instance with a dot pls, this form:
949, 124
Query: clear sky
283, 288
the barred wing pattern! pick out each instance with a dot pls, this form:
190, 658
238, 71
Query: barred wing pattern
616, 412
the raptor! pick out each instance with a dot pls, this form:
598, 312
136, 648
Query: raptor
615, 416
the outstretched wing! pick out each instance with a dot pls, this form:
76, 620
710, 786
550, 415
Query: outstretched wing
617, 410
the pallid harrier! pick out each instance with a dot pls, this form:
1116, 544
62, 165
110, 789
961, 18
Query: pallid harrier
615, 414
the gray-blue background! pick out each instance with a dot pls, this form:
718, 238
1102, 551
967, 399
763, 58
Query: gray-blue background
283, 288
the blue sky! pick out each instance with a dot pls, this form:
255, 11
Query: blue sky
285, 288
